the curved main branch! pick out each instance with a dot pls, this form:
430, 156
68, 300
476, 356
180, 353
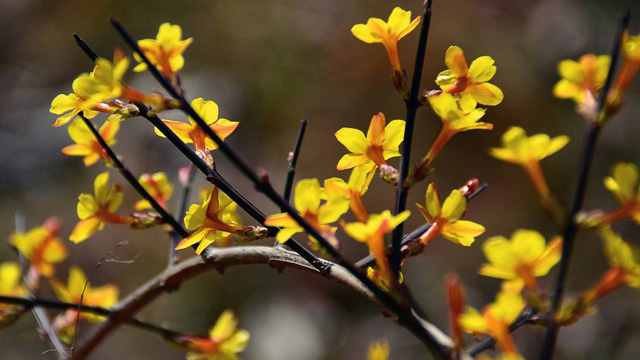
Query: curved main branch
220, 259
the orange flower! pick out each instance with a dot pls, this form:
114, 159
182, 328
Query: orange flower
158, 186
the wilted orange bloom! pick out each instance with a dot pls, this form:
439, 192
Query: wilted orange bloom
41, 246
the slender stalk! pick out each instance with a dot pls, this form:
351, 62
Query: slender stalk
41, 316
262, 184
126, 173
413, 104
288, 186
181, 208
571, 228
369, 260
34, 302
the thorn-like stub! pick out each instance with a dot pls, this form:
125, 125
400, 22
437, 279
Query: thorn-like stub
264, 177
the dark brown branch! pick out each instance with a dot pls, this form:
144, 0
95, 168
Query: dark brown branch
293, 160
413, 103
220, 259
571, 228
525, 318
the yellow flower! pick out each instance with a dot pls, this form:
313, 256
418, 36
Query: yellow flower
624, 184
624, 256
225, 340
215, 220
165, 51
495, 320
521, 259
520, 149
69, 106
191, 133
104, 83
41, 246
95, 211
353, 190
10, 285
372, 233
307, 198
379, 350
79, 290
158, 186
445, 218
582, 79
470, 83
387, 33
454, 120
381, 143
86, 144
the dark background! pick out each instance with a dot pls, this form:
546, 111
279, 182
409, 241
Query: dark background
268, 64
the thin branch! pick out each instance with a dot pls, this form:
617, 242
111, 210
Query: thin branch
126, 173
263, 185
220, 259
413, 104
293, 160
40, 314
181, 207
571, 228
34, 302
369, 260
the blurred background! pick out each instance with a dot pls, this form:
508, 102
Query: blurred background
269, 64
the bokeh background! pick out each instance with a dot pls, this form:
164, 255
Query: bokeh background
268, 64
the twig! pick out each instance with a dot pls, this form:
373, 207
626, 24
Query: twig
33, 302
181, 207
40, 314
293, 160
263, 185
571, 228
413, 104
126, 173
369, 260
219, 259
523, 319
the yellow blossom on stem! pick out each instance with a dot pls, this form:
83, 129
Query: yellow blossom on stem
225, 340
41, 246
353, 190
624, 256
104, 82
191, 133
96, 210
379, 350
215, 220
582, 79
86, 144
624, 183
381, 143
495, 320
165, 51
307, 200
469, 83
372, 233
69, 106
630, 66
78, 290
527, 151
521, 259
454, 120
387, 33
158, 186
445, 218
10, 285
